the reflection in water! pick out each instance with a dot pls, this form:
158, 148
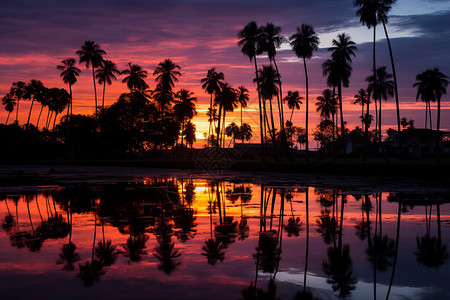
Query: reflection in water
236, 239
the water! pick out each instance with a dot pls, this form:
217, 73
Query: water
189, 237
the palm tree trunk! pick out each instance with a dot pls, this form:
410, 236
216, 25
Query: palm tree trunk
342, 121
438, 150
71, 99
274, 137
397, 242
211, 116
307, 109
292, 113
218, 126
281, 110
7, 118
103, 98
261, 124
95, 91
429, 111
29, 114
39, 117
54, 120
426, 114
396, 87
17, 111
49, 117
307, 239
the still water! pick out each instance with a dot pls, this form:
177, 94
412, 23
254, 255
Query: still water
198, 238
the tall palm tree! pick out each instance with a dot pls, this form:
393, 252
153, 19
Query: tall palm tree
327, 106
304, 42
166, 75
380, 87
105, 74
227, 101
58, 100
135, 78
249, 37
339, 70
189, 132
32, 91
372, 13
184, 107
9, 104
92, 55
432, 84
361, 99
271, 39
293, 100
268, 84
211, 83
242, 98
69, 75
18, 91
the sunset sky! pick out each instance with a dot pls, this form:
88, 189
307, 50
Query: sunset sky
198, 35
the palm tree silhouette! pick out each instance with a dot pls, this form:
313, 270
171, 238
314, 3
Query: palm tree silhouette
184, 108
212, 83
58, 101
327, 106
361, 99
249, 39
9, 104
271, 39
268, 84
227, 101
69, 75
213, 251
17, 91
293, 100
380, 87
431, 85
105, 74
304, 42
338, 69
32, 91
68, 256
243, 98
92, 55
43, 101
166, 75
189, 133
135, 78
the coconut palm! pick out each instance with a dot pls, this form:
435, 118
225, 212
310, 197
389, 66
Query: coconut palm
293, 100
227, 101
105, 74
189, 133
338, 70
58, 100
69, 75
166, 75
304, 42
249, 37
211, 83
361, 99
271, 39
327, 106
184, 107
268, 84
32, 91
135, 78
18, 91
380, 87
9, 104
232, 131
432, 84
245, 132
243, 98
42, 99
92, 55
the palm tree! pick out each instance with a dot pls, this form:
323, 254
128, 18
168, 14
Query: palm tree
432, 84
327, 106
338, 70
32, 91
268, 84
242, 98
304, 42
227, 101
105, 74
249, 37
245, 132
361, 99
9, 104
166, 75
135, 78
92, 55
189, 132
18, 91
372, 13
184, 107
380, 87
58, 100
69, 75
211, 83
232, 131
271, 39
293, 100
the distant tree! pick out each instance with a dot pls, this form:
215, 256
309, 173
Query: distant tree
184, 108
361, 98
211, 83
32, 92
106, 73
135, 78
92, 55
167, 73
189, 132
69, 75
17, 92
293, 100
9, 104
